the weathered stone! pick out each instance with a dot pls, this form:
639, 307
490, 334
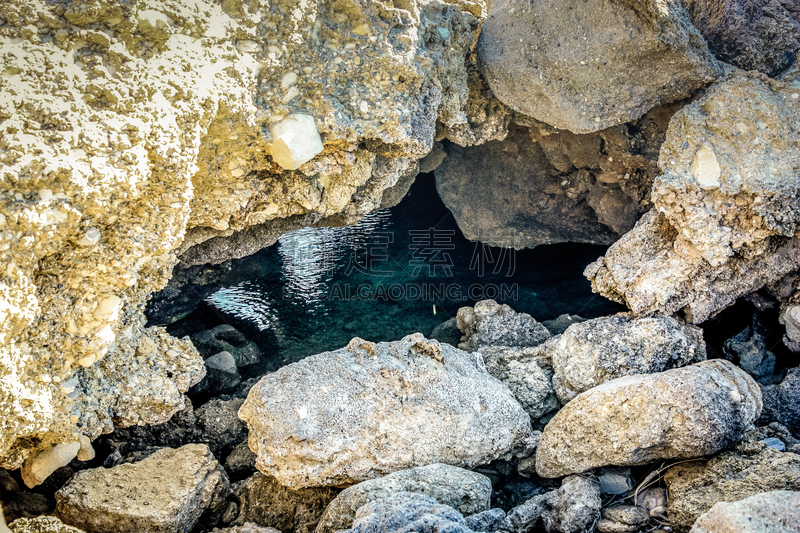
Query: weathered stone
447, 332
226, 338
761, 35
408, 511
782, 401
696, 486
493, 324
295, 140
525, 517
249, 527
627, 514
599, 350
615, 480
559, 325
487, 521
166, 492
426, 403
770, 512
652, 498
241, 462
219, 426
222, 375
705, 245
575, 506
38, 467
790, 317
642, 418
749, 349
20, 503
465, 491
264, 501
558, 62
40, 524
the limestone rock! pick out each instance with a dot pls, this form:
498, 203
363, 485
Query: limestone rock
706, 243
166, 492
295, 140
39, 467
382, 407
408, 511
642, 418
761, 35
264, 501
219, 426
125, 124
602, 349
696, 486
790, 317
782, 401
467, 492
486, 521
249, 527
491, 324
559, 62
770, 512
40, 524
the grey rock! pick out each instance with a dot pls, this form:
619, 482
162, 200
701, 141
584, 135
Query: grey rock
604, 525
219, 425
467, 492
248, 527
643, 418
770, 512
777, 444
749, 348
447, 332
558, 62
761, 35
599, 350
615, 480
491, 324
407, 512
222, 376
226, 338
382, 408
487, 521
652, 498
523, 518
166, 492
264, 501
627, 514
782, 401
559, 325
241, 462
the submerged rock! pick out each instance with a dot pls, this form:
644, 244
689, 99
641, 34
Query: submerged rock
602, 349
227, 339
586, 67
407, 512
725, 208
467, 492
775, 511
643, 418
695, 487
491, 324
379, 408
165, 493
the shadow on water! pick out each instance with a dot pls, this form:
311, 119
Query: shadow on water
398, 271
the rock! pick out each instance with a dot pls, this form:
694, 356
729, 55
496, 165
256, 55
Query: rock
763, 513
602, 349
559, 325
622, 519
447, 332
749, 349
777, 444
790, 317
525, 517
159, 137
782, 401
226, 338
166, 492
427, 403
40, 524
219, 425
696, 486
19, 503
465, 491
652, 498
408, 511
758, 35
643, 418
615, 480
37, 468
558, 63
295, 140
704, 245
249, 527
241, 462
526, 373
487, 521
264, 501
222, 375
493, 324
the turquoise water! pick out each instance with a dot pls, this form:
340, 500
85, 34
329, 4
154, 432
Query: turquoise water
398, 271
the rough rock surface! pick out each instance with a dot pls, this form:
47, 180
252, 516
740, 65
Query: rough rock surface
249, 527
226, 338
542, 186
749, 349
124, 124
726, 208
770, 512
486, 521
638, 419
382, 407
491, 324
407, 512
40, 524
782, 401
166, 492
586, 67
467, 492
731, 476
761, 35
602, 349
264, 501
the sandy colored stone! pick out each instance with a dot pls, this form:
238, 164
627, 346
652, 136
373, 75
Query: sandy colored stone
769, 512
38, 467
40, 524
380, 408
677, 414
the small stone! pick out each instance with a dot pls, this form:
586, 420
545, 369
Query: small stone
775, 443
615, 480
90, 237
627, 514
652, 498
604, 525
86, 452
295, 140
39, 467
705, 167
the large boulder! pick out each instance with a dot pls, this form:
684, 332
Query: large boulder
379, 408
769, 512
639, 419
467, 492
761, 35
585, 67
731, 476
599, 350
165, 493
491, 324
726, 208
